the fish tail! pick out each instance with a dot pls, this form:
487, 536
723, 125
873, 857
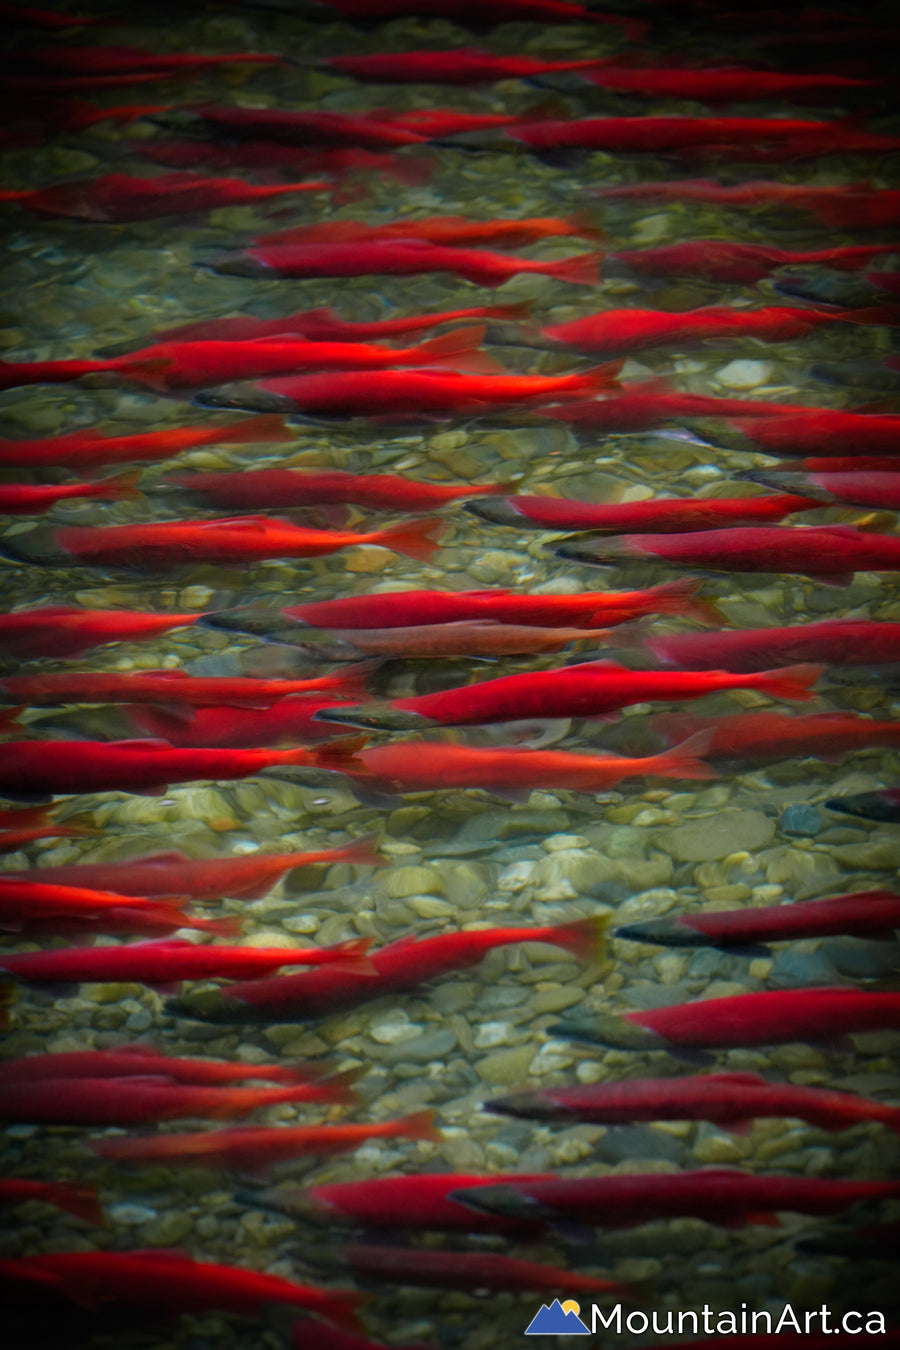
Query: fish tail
17, 194
340, 756
148, 370
253, 430
680, 597
581, 270
79, 1200
684, 760
119, 486
886, 314
9, 722
791, 682
230, 927
350, 957
598, 377
420, 1125
459, 342
340, 1307
417, 539
339, 1087
362, 851
7, 993
890, 1118
585, 938
351, 680
521, 310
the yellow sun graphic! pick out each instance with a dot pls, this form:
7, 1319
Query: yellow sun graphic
570, 1306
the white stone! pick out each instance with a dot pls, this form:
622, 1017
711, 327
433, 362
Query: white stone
744, 374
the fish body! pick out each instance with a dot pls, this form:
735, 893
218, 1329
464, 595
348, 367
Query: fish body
33, 499
867, 642
463, 66
194, 364
440, 231
416, 766
819, 431
397, 257
659, 515
37, 908
631, 134
477, 637
106, 60
647, 404
847, 204
487, 13
167, 962
467, 1271
155, 1280
18, 828
78, 1200
242, 877
230, 542
407, 395
90, 450
762, 737
720, 86
863, 914
256, 1149
65, 630
590, 609
882, 804
742, 264
39, 767
117, 198
313, 128
270, 489
589, 689
290, 721
141, 1101
632, 330
772, 1017
325, 325
164, 686
139, 1061
416, 1201
717, 1195
724, 1098
830, 552
876, 488
401, 966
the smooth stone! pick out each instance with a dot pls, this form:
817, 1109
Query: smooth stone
795, 969
506, 1067
401, 882
167, 1230
431, 1045
717, 836
744, 374
801, 818
555, 999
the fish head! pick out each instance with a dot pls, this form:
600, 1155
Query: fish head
607, 1029
374, 717
526, 1106
506, 1202
243, 396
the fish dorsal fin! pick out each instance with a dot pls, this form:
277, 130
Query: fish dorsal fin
739, 1078
613, 667
173, 855
256, 524
143, 743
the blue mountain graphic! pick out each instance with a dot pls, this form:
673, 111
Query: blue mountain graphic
553, 1321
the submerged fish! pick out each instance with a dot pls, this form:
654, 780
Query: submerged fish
879, 489
726, 85
839, 642
38, 908
415, 608
762, 737
399, 967
433, 1269
864, 914
730, 261
106, 60
254, 1150
21, 499
831, 553
719, 1195
846, 205
772, 1017
78, 1200
732, 1099
89, 449
812, 431
659, 134
882, 804
138, 1060
117, 198
144, 766
228, 542
176, 686
144, 1100
397, 257
432, 766
487, 13
34, 822
326, 325
442, 231
246, 876
657, 515
167, 963
271, 489
65, 630
167, 1282
590, 689
634, 330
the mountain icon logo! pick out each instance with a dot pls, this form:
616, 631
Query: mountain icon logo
559, 1319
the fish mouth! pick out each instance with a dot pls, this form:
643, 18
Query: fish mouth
663, 932
610, 1029
374, 717
868, 805
595, 552
237, 263
498, 511
243, 397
